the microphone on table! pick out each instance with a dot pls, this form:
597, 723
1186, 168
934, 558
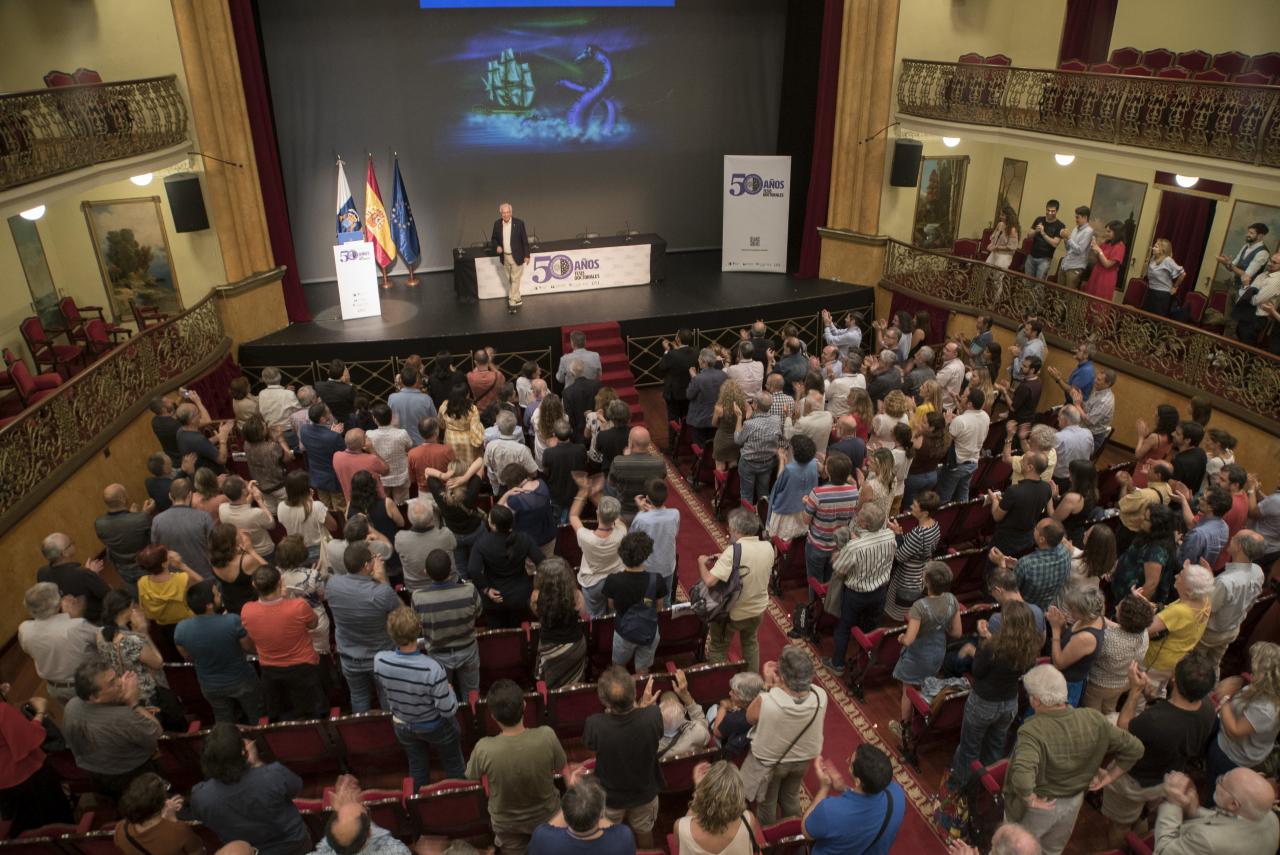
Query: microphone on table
586, 236
629, 232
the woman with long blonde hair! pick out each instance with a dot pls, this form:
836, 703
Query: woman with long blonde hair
1164, 278
1249, 715
861, 412
550, 411
725, 417
930, 402
718, 820
878, 488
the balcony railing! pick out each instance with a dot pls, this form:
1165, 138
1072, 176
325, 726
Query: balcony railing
48, 442
48, 132
1230, 121
1244, 380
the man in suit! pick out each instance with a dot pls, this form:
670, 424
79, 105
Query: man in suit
337, 391
512, 242
677, 358
589, 358
1240, 822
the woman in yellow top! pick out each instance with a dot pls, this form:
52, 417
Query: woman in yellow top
930, 402
1184, 620
461, 421
162, 593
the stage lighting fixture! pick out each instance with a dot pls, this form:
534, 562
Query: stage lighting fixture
32, 214
1187, 180
1064, 159
142, 180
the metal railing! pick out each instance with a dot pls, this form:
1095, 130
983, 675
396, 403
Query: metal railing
48, 132
1243, 379
1231, 121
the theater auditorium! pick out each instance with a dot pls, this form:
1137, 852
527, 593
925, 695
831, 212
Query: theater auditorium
942, 336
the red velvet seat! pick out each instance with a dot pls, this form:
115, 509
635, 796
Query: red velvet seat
1135, 292
507, 654
455, 809
727, 490
1193, 60
874, 654
58, 78
1072, 65
1265, 63
681, 631
368, 742
62, 358
1125, 56
972, 59
535, 705
1109, 483
1253, 78
1210, 75
1229, 62
57, 829
677, 771
31, 389
182, 680
1137, 71
929, 721
965, 248
709, 681
1105, 68
146, 316
179, 756
998, 59
76, 317
1195, 303
788, 565
599, 633
308, 748
1156, 59
568, 708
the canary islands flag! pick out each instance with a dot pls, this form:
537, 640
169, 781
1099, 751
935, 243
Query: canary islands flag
348, 217
377, 230
402, 225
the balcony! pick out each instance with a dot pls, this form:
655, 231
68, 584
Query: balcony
1228, 121
51, 132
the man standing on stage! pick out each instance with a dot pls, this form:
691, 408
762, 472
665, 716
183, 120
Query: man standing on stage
512, 243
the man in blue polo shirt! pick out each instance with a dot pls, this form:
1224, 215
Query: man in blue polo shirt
862, 819
215, 641
1082, 376
323, 440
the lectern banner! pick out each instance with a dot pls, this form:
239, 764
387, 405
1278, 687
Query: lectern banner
756, 207
357, 280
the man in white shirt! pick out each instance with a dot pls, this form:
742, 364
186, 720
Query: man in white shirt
247, 510
1071, 269
951, 375
276, 403
968, 431
837, 395
748, 373
56, 640
845, 339
1268, 285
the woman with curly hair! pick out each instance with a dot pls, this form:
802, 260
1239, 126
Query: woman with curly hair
1125, 642
930, 396
206, 493
1249, 716
557, 603
999, 662
878, 488
550, 411
1151, 561
718, 820
895, 409
463, 431
234, 561
725, 415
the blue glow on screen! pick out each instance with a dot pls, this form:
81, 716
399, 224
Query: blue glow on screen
540, 4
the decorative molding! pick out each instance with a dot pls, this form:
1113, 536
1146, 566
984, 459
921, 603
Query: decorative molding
852, 237
252, 282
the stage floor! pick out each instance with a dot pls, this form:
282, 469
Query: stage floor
430, 318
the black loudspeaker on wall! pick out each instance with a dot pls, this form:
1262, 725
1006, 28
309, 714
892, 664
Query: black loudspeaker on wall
187, 202
906, 163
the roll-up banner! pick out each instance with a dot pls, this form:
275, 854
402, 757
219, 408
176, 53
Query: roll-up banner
756, 206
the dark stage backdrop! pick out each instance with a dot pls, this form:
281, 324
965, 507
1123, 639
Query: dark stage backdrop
475, 125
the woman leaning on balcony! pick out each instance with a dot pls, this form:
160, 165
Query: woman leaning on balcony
1005, 238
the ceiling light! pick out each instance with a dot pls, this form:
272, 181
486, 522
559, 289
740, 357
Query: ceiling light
1186, 180
142, 180
1064, 159
951, 142
32, 213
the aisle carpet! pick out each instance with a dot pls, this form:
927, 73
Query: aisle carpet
846, 725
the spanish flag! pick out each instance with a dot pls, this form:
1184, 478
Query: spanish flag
377, 229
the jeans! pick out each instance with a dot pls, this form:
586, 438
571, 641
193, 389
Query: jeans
720, 633
817, 562
1075, 691
953, 483
462, 550
624, 650
982, 736
1217, 763
917, 484
443, 738
293, 692
462, 667
857, 608
245, 695
359, 682
1037, 267
753, 479
596, 602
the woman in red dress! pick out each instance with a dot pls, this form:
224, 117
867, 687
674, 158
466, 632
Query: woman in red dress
1106, 266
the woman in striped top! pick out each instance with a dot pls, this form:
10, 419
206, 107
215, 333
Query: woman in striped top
917, 546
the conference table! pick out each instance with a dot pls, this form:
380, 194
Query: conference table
564, 265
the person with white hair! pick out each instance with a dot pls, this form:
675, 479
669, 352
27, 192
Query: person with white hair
1241, 823
862, 564
424, 535
56, 638
883, 376
1057, 756
1184, 620
1074, 441
684, 724
788, 734
1009, 839
276, 403
921, 369
729, 717
507, 449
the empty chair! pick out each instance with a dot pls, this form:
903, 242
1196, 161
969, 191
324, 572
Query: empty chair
1105, 68
1156, 59
875, 654
1265, 63
1253, 78
986, 810
450, 809
182, 679
944, 714
1135, 292
1126, 56
788, 565
972, 59
62, 358
1209, 75
506, 654
31, 389
368, 742
681, 631
965, 248
1193, 60
1229, 62
1072, 65
998, 59
1195, 303
1137, 71
77, 316
146, 316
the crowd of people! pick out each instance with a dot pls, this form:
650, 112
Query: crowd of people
337, 539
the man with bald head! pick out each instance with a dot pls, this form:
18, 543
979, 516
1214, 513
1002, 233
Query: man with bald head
359, 456
632, 470
72, 578
1240, 822
184, 529
124, 530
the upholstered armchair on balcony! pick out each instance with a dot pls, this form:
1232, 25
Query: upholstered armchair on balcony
76, 317
146, 316
31, 389
64, 359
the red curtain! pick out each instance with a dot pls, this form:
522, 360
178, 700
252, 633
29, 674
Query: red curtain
213, 391
824, 123
1086, 31
937, 315
257, 100
1185, 220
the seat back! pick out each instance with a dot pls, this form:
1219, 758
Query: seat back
179, 756
569, 706
1109, 484
1253, 78
368, 742
599, 633
1125, 56
996, 476
677, 772
965, 248
450, 809
1137, 71
1157, 58
1135, 292
184, 683
972, 524
22, 380
948, 517
70, 311
33, 334
86, 75
972, 58
1106, 67
306, 747
506, 654
875, 655
1229, 62
709, 681
1193, 60
998, 59
1265, 63
534, 713
1195, 303
58, 78
680, 631
1072, 65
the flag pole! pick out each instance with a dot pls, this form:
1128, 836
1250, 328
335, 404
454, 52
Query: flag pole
413, 277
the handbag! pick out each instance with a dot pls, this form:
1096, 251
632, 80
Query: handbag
639, 623
713, 603
832, 600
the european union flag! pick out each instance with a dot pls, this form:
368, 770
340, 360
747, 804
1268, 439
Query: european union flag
402, 227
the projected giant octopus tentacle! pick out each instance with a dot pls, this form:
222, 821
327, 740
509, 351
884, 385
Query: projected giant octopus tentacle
589, 99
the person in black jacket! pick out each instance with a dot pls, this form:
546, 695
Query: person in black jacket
512, 243
337, 391
677, 358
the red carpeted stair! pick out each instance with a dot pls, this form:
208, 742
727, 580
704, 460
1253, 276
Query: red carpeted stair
606, 339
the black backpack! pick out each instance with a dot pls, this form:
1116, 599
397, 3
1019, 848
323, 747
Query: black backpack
639, 623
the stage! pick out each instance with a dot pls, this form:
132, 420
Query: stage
428, 318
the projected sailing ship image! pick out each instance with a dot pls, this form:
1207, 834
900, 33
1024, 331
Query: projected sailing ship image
509, 84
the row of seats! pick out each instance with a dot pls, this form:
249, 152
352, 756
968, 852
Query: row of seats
1234, 66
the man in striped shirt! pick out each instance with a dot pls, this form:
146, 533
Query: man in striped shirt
758, 437
422, 702
447, 609
829, 506
863, 566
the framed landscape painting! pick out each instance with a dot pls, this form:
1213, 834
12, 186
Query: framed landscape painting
1013, 178
939, 195
133, 254
1243, 215
1118, 199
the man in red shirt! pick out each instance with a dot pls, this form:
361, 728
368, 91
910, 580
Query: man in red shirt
485, 380
290, 666
1233, 478
431, 454
358, 457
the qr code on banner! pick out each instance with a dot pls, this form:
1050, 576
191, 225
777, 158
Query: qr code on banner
755, 241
